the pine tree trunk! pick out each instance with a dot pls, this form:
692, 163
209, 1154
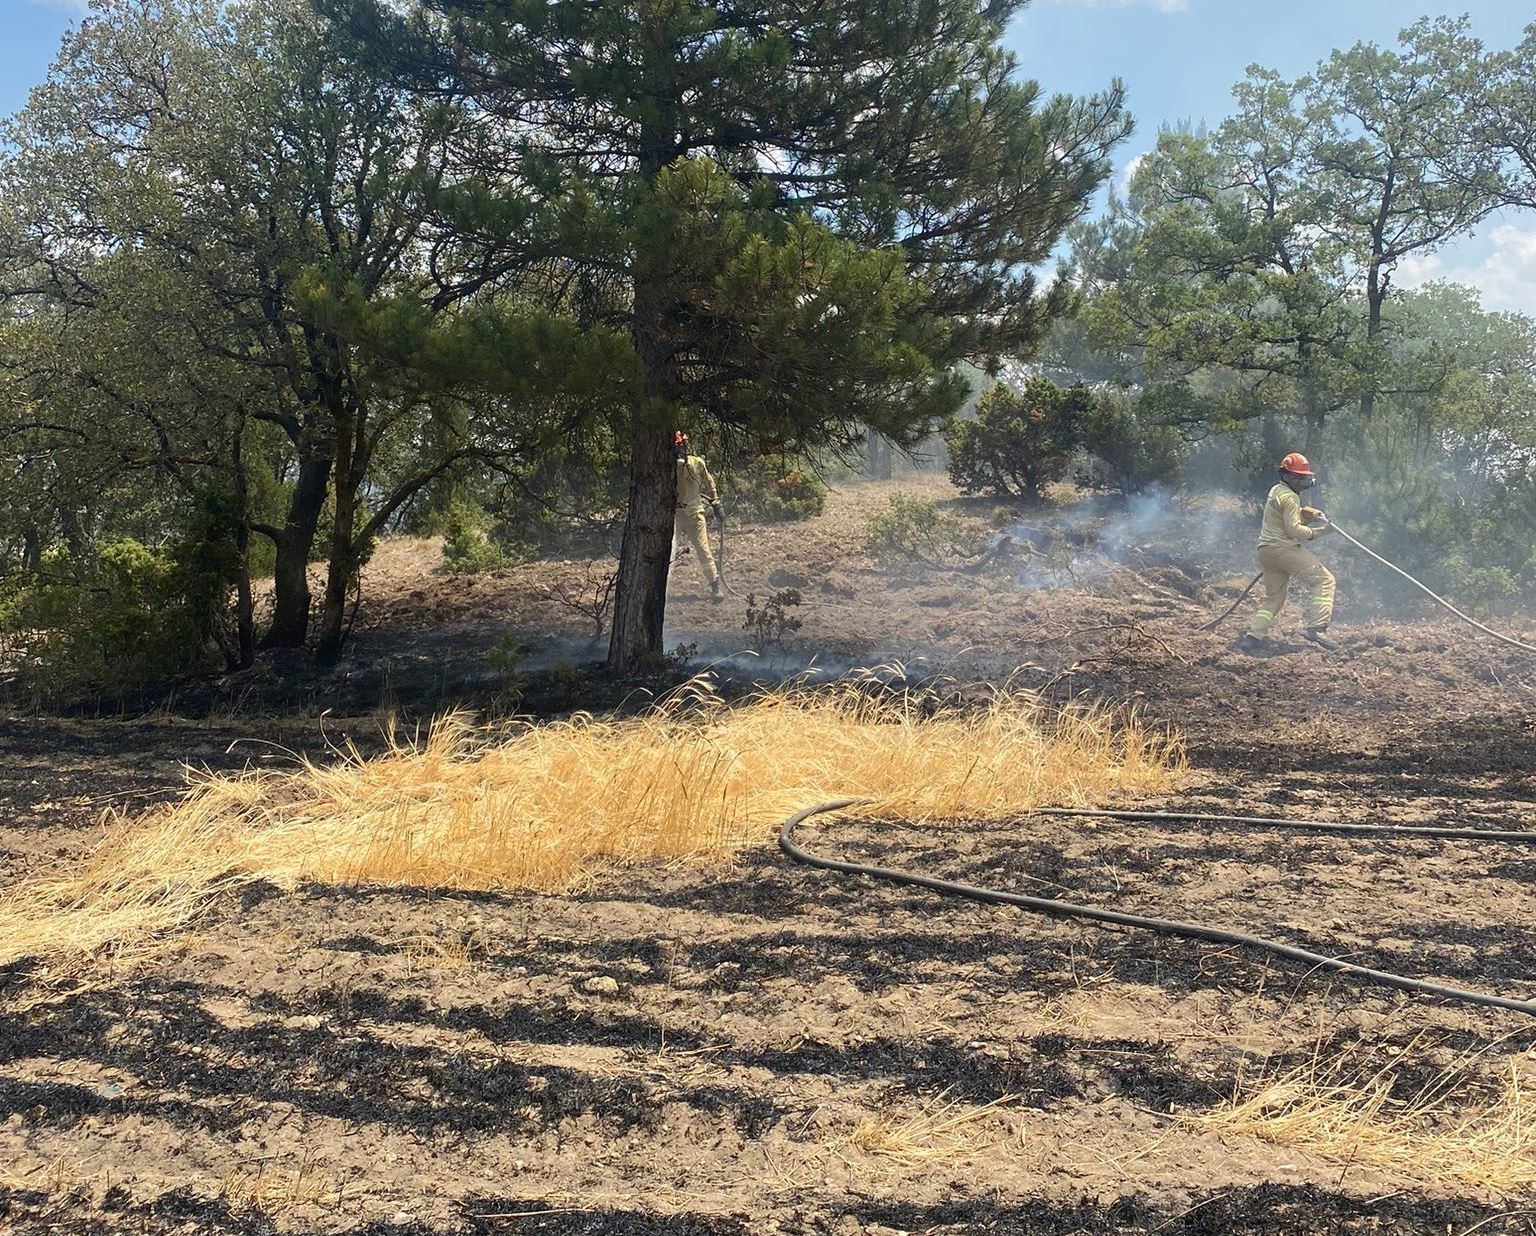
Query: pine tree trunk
290, 577
640, 593
1375, 294
245, 608
343, 562
74, 532
640, 598
877, 457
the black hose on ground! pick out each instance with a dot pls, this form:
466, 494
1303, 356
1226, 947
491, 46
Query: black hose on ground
1215, 622
1192, 931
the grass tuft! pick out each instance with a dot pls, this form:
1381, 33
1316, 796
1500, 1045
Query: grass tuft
552, 807
1462, 1126
943, 1132
275, 1190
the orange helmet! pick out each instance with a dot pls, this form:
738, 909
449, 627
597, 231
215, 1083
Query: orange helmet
1296, 464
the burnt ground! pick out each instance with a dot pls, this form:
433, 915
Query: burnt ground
683, 1050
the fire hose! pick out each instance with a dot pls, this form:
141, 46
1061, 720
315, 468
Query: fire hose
1487, 630
720, 556
1055, 908
1392, 566
1226, 613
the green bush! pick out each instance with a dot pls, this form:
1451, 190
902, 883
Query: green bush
124, 616
1469, 538
915, 530
568, 499
771, 623
1020, 441
506, 657
467, 549
1480, 588
775, 491
1131, 449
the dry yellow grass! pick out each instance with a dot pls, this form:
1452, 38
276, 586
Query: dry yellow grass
941, 1132
1450, 1130
463, 951
273, 1189
546, 807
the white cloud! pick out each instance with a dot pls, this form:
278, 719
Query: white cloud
1506, 276
1162, 6
1129, 173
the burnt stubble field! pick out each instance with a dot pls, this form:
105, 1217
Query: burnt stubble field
681, 1049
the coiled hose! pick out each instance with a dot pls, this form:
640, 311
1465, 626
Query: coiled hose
1170, 927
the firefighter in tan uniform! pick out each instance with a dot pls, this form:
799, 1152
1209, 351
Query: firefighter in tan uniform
695, 487
1284, 556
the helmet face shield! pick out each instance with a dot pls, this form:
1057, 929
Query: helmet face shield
1296, 472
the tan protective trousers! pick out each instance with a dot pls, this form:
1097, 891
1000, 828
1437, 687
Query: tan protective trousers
690, 529
1281, 564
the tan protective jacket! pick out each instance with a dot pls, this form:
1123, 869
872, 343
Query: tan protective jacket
1282, 519
695, 486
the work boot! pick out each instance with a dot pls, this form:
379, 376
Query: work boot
1250, 643
1320, 637
714, 590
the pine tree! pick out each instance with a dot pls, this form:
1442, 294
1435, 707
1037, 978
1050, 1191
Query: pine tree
803, 214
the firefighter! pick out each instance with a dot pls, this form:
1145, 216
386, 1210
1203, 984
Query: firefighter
695, 488
1283, 556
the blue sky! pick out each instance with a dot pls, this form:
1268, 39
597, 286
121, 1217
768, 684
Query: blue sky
29, 36
1178, 59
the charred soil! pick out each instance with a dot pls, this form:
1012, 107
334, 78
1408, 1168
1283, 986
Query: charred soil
758, 1048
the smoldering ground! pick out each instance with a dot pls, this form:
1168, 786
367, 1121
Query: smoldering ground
755, 1017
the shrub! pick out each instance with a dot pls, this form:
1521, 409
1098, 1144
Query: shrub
775, 491
1020, 441
1480, 588
770, 623
915, 530
118, 618
1469, 539
467, 550
567, 681
506, 657
1132, 449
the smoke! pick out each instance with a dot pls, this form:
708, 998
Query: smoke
1092, 541
735, 658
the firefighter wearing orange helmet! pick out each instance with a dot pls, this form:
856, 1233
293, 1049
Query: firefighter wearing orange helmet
1284, 556
695, 487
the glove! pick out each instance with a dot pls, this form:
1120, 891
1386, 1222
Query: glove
714, 505
1323, 528
1311, 512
